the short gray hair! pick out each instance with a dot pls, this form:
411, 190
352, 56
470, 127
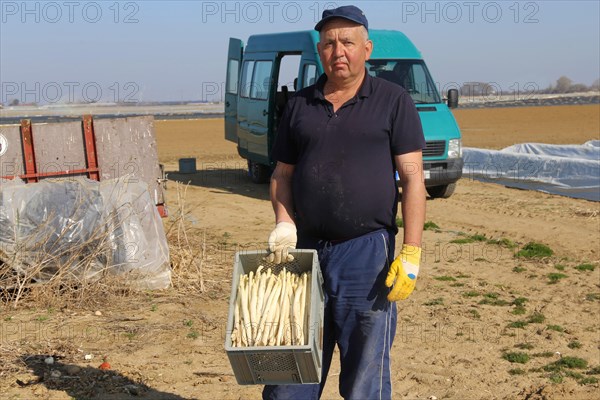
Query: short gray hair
365, 32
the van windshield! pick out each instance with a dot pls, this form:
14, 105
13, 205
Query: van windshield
412, 75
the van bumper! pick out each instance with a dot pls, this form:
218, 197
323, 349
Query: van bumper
443, 172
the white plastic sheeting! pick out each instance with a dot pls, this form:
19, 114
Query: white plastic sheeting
568, 170
83, 228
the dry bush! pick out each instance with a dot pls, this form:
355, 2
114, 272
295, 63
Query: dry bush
201, 262
187, 252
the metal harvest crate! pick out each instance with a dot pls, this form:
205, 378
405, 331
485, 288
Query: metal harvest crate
277, 365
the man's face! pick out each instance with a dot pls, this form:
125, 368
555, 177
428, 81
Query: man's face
343, 50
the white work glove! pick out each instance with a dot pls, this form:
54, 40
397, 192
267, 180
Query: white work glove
281, 240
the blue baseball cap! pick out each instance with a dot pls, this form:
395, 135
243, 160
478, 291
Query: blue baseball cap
351, 13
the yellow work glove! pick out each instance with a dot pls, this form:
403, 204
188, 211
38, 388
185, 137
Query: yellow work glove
403, 273
281, 239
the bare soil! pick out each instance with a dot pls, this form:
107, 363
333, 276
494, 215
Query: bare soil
476, 299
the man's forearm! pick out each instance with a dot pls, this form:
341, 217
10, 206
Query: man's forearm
413, 211
281, 193
410, 169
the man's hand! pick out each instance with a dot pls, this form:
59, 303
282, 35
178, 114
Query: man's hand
281, 239
403, 273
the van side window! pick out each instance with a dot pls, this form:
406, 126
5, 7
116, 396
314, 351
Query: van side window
412, 75
232, 76
261, 80
310, 75
289, 69
247, 78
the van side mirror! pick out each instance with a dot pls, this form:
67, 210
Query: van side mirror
452, 98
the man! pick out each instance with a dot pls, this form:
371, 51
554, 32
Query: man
333, 190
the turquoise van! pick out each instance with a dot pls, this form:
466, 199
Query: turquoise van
256, 94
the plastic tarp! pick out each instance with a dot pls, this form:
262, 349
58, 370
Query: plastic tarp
83, 228
568, 170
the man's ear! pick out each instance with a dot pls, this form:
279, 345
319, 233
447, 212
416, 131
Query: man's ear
368, 48
319, 48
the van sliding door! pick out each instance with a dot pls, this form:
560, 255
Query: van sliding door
234, 63
255, 106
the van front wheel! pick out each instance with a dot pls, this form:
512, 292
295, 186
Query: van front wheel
259, 173
443, 191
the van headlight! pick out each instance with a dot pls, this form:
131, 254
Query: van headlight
454, 148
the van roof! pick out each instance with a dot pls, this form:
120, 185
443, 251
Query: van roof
386, 43
286, 41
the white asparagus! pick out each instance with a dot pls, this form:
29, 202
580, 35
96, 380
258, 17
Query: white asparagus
272, 329
270, 285
248, 292
262, 282
235, 335
287, 337
292, 310
252, 300
296, 322
301, 319
257, 287
271, 309
269, 272
278, 333
239, 299
252, 297
269, 292
271, 305
249, 325
260, 329
307, 309
246, 334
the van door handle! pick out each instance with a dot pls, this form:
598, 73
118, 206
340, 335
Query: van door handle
227, 104
265, 113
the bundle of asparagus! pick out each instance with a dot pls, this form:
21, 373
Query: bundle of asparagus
270, 309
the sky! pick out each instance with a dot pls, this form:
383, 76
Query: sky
136, 51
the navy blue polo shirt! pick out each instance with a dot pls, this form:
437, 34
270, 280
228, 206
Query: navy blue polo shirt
343, 184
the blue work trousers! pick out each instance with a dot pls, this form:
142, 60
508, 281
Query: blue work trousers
358, 318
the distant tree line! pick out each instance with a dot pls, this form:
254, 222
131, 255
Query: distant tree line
566, 85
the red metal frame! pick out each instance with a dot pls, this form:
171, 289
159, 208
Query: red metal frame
162, 210
31, 175
28, 152
90, 148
